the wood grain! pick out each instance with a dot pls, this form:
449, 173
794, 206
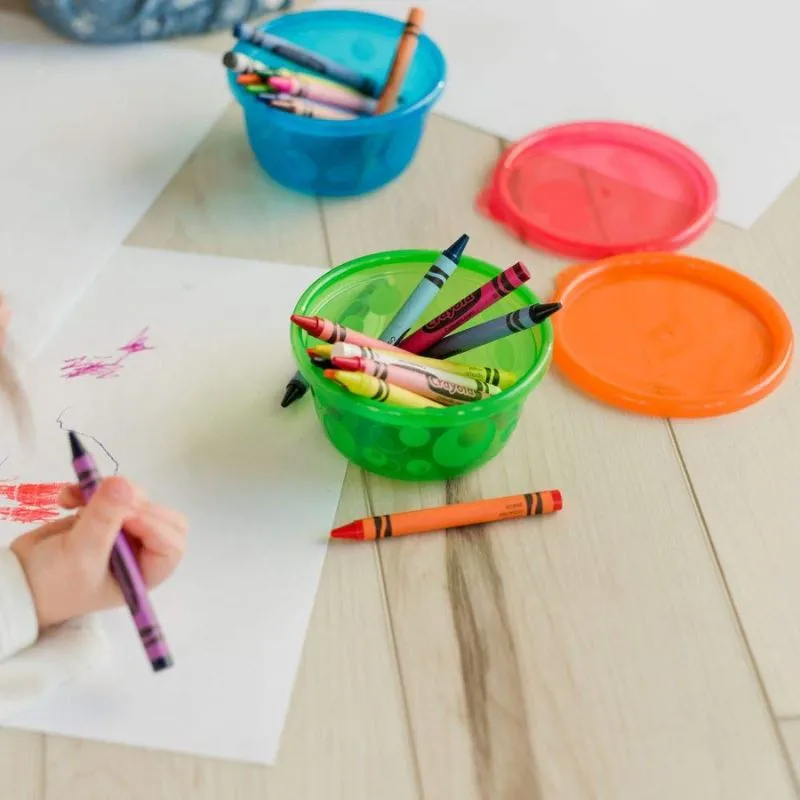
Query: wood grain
22, 769
584, 655
745, 468
790, 730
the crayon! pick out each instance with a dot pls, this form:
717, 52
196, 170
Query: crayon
443, 391
426, 520
496, 377
493, 329
124, 567
319, 93
244, 65
305, 58
476, 390
466, 308
258, 88
249, 79
304, 108
405, 317
422, 296
375, 389
402, 60
239, 62
333, 332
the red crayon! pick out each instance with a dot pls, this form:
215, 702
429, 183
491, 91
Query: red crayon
466, 308
333, 332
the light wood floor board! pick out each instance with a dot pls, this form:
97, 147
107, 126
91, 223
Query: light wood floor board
22, 769
745, 467
583, 655
221, 203
790, 729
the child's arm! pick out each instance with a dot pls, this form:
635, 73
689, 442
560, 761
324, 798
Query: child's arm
52, 578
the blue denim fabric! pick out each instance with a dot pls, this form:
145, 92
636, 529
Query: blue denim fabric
108, 21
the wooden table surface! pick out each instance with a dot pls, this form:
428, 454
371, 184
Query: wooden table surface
642, 645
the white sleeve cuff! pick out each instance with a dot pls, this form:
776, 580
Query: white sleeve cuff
64, 653
18, 624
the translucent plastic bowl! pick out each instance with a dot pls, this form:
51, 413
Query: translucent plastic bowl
418, 444
334, 157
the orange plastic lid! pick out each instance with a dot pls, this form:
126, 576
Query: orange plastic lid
669, 335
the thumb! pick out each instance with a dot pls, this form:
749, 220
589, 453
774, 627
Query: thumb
93, 535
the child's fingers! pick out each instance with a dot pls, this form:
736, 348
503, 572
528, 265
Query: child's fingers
158, 529
161, 535
115, 501
45, 531
70, 496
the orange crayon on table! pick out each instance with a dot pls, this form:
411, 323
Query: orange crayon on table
333, 332
426, 520
402, 60
375, 389
449, 390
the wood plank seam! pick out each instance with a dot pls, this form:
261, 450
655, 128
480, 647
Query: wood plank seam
387, 611
732, 604
365, 488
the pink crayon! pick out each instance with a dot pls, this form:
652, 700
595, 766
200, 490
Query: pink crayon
447, 390
321, 93
333, 332
466, 308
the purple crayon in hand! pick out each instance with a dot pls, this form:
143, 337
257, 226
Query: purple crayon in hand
124, 567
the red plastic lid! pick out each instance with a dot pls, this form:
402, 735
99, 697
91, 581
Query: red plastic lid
595, 189
669, 335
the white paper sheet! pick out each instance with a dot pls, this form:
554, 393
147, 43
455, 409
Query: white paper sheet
196, 421
719, 76
90, 136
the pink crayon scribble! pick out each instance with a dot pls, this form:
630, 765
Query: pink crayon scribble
104, 366
136, 345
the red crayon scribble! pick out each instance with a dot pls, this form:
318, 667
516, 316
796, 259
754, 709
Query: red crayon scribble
104, 366
34, 502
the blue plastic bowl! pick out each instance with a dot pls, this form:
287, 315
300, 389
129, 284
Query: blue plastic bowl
349, 157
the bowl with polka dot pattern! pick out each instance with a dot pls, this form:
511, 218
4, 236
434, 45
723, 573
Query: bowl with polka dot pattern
342, 157
418, 444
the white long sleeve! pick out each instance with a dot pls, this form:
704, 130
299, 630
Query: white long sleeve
31, 668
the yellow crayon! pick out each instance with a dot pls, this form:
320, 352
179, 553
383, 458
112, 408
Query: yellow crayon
375, 389
491, 375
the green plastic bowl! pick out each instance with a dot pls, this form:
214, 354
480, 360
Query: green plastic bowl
417, 444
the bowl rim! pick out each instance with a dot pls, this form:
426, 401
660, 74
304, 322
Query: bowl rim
465, 412
350, 127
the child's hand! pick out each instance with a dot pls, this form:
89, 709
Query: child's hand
66, 561
5, 318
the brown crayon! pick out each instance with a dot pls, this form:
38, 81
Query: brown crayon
402, 60
426, 520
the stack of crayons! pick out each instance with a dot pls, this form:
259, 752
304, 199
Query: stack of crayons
336, 92
411, 369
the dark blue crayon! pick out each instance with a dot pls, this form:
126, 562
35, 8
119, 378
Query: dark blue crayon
491, 330
306, 58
